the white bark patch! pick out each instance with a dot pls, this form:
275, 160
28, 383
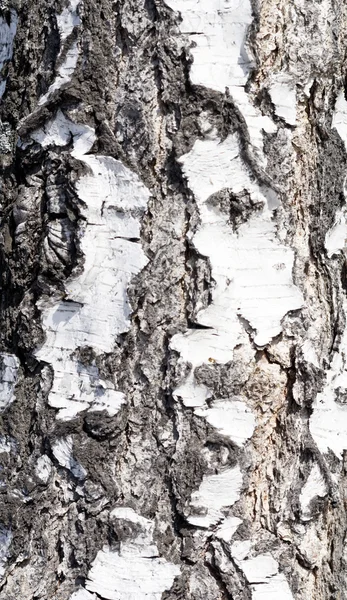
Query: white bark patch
65, 72
95, 310
229, 526
216, 492
231, 417
6, 444
340, 117
63, 452
125, 513
218, 30
335, 239
260, 568
310, 353
137, 539
7, 35
82, 595
9, 365
132, 577
328, 423
253, 274
213, 165
76, 387
192, 394
68, 20
314, 487
240, 549
283, 96
276, 588
43, 468
134, 571
58, 132
262, 574
5, 542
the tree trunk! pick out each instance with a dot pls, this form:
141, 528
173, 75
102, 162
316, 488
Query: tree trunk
173, 300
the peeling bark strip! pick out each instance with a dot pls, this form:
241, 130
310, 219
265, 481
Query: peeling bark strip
173, 300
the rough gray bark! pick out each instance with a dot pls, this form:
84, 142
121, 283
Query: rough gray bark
196, 448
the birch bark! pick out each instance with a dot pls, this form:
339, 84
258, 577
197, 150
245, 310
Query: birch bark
173, 386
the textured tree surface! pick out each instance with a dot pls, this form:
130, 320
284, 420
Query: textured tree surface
173, 384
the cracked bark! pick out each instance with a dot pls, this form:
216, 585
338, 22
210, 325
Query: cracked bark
173, 300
